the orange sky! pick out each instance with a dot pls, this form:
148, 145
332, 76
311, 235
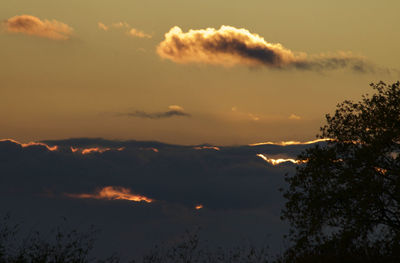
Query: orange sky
107, 68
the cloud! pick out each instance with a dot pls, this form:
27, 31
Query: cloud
294, 117
31, 25
229, 46
278, 161
91, 150
29, 144
113, 193
173, 110
133, 32
287, 143
102, 26
251, 116
120, 25
207, 147
167, 173
45, 181
136, 33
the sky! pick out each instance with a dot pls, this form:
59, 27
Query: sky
149, 118
187, 72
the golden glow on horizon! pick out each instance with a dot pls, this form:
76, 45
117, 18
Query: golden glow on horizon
85, 151
113, 193
24, 145
279, 161
207, 148
285, 143
95, 149
150, 149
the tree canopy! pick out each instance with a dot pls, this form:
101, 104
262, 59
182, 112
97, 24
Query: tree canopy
346, 196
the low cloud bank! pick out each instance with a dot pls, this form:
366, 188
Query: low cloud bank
223, 189
168, 173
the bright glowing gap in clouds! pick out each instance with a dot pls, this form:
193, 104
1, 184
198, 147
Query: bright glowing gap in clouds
198, 207
85, 151
24, 145
113, 193
279, 161
285, 143
207, 148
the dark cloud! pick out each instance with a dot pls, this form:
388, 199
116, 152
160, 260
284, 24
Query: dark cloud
230, 46
238, 189
230, 177
173, 110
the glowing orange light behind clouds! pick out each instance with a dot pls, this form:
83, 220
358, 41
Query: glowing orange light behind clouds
85, 151
113, 193
96, 149
24, 145
151, 149
198, 207
285, 143
280, 160
207, 148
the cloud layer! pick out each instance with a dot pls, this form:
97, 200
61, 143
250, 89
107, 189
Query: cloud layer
173, 110
172, 173
231, 46
31, 25
45, 181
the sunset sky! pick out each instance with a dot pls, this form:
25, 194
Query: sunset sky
147, 119
101, 68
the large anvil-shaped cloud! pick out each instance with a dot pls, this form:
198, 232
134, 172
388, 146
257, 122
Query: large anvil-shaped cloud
231, 46
31, 25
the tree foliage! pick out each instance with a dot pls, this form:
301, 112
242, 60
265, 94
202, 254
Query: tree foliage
60, 246
346, 197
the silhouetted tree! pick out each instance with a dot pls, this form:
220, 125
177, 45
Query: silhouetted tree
190, 249
62, 246
344, 200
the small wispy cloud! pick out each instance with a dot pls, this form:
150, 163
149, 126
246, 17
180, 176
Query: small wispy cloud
229, 46
103, 26
136, 33
246, 115
34, 26
130, 31
173, 110
294, 117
